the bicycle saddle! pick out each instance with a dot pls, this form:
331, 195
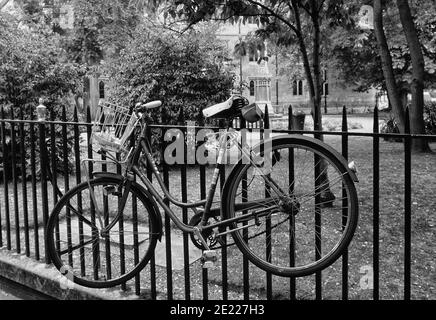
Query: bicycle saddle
141, 107
230, 108
235, 106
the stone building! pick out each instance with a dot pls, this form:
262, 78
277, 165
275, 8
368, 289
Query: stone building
266, 86
263, 84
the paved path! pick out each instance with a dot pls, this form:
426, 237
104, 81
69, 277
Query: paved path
6, 296
5, 292
10, 290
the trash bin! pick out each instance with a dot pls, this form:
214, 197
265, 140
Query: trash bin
298, 120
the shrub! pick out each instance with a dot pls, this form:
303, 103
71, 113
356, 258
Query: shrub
390, 125
430, 117
186, 72
32, 66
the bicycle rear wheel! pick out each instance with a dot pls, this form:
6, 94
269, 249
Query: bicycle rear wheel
306, 207
86, 254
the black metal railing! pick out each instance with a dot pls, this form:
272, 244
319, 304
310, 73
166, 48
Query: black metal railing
24, 214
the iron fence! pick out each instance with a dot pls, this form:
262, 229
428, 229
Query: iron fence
26, 199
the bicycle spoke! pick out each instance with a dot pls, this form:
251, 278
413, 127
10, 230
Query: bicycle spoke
302, 222
98, 256
82, 245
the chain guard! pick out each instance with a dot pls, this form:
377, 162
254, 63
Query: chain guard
211, 240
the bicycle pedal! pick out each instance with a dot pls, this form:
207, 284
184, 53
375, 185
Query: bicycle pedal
209, 258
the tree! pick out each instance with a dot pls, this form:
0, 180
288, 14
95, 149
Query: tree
417, 86
382, 58
101, 29
3, 3
300, 20
32, 66
251, 45
386, 63
185, 71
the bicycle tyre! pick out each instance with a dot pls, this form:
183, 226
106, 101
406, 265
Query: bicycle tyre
271, 253
79, 250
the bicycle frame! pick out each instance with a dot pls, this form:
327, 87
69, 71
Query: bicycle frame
133, 166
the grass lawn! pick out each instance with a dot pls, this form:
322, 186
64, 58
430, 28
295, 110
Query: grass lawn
360, 251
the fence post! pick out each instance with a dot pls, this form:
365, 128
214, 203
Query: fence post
88, 135
41, 112
184, 191
244, 195
53, 159
344, 205
34, 187
167, 221
266, 120
65, 148
266, 135
292, 280
24, 185
14, 149
376, 204
407, 205
5, 180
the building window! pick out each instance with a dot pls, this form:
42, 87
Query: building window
294, 88
300, 87
101, 89
297, 88
253, 54
262, 92
325, 89
251, 88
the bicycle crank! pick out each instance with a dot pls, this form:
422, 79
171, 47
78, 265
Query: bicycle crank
209, 236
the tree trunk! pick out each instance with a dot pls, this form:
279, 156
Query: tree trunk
417, 124
314, 86
388, 72
3, 3
404, 94
303, 50
316, 67
307, 69
327, 196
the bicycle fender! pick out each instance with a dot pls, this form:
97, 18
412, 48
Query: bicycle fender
149, 198
297, 139
308, 141
313, 141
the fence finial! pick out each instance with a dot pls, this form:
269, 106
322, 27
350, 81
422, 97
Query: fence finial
41, 110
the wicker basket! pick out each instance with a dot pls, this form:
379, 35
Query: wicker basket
113, 126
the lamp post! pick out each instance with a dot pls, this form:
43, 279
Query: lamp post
325, 90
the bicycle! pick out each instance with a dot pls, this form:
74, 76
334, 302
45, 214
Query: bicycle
289, 203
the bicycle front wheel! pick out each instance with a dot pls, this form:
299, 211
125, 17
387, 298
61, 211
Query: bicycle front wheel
302, 207
88, 253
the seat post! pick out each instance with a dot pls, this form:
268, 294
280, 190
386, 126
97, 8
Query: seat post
228, 123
